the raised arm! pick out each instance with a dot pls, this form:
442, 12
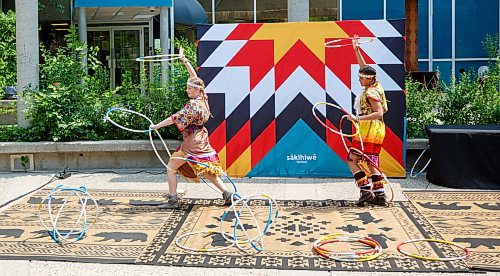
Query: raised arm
192, 72
359, 57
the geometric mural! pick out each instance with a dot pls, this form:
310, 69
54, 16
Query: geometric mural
263, 79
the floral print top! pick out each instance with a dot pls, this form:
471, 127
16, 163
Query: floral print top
192, 116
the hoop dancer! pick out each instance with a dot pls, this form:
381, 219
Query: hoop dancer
195, 146
370, 106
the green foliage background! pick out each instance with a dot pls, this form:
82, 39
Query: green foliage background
7, 50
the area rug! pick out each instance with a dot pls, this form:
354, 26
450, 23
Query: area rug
132, 230
471, 219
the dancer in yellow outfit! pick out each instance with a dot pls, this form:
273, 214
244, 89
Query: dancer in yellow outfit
370, 107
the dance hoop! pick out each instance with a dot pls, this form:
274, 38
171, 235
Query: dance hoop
150, 132
343, 136
465, 249
362, 40
256, 242
83, 197
107, 118
367, 255
158, 58
416, 161
356, 125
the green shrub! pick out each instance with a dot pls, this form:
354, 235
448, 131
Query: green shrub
468, 100
65, 108
421, 105
7, 50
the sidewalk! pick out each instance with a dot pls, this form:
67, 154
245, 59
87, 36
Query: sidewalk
13, 185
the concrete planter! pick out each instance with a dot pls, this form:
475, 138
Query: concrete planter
118, 154
109, 154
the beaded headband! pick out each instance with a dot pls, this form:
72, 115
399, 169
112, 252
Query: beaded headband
195, 85
366, 76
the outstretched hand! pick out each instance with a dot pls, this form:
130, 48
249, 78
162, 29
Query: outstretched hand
182, 57
355, 43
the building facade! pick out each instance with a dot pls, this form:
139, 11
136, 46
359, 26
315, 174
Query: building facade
450, 32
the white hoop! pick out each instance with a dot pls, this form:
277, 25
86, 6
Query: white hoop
362, 40
58, 236
107, 118
158, 58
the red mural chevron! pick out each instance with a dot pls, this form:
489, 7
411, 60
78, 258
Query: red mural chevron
355, 27
258, 55
238, 144
243, 31
299, 55
264, 143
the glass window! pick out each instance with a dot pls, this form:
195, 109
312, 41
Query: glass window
441, 45
466, 66
395, 9
423, 29
444, 68
474, 19
362, 9
423, 66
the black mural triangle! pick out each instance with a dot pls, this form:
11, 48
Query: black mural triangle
395, 117
238, 118
396, 45
201, 30
298, 108
334, 115
207, 74
205, 49
396, 71
399, 25
262, 118
217, 102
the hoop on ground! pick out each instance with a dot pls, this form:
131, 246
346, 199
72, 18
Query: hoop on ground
367, 255
416, 161
356, 125
80, 226
158, 58
465, 249
237, 204
361, 40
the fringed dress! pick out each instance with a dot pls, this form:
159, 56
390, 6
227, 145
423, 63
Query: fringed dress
372, 131
195, 146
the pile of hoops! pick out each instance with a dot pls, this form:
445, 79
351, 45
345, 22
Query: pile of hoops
374, 251
78, 227
239, 204
343, 135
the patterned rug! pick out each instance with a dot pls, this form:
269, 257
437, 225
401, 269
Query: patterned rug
130, 231
471, 219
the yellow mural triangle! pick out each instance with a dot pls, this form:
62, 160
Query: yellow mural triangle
242, 166
390, 166
312, 34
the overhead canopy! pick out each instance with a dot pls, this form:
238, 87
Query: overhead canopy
189, 12
122, 3
186, 12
